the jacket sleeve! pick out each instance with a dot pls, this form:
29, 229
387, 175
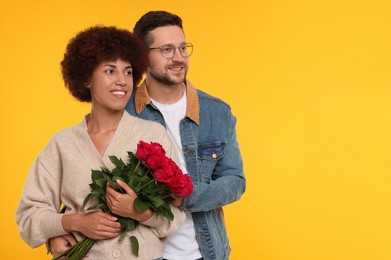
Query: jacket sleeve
227, 182
36, 215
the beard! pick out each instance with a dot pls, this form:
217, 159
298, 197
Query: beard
167, 79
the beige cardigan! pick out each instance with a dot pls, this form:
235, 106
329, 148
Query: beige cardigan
61, 174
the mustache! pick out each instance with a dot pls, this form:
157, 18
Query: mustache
178, 64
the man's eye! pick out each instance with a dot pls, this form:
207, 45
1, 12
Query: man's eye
167, 49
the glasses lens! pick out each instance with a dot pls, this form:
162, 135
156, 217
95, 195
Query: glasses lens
186, 50
167, 51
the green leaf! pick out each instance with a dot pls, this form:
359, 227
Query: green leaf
95, 193
157, 201
134, 243
136, 184
133, 160
95, 187
106, 209
125, 175
87, 198
141, 171
140, 205
151, 188
95, 175
169, 215
114, 185
106, 172
123, 235
101, 182
132, 156
116, 161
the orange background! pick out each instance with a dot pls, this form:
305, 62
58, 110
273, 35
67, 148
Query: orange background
309, 82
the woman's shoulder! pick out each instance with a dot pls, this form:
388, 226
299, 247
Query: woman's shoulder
66, 133
62, 138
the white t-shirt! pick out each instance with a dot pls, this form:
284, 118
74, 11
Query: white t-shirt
182, 245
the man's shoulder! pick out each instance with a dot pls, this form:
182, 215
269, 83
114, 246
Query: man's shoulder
209, 100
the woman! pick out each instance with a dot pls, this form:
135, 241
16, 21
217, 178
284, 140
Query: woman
101, 65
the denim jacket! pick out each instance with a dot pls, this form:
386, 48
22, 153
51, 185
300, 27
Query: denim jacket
213, 161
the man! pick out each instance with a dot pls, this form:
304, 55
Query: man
202, 128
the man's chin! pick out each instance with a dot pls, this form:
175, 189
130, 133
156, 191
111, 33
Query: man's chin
174, 81
170, 80
177, 79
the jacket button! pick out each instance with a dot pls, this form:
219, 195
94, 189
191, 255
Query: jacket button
117, 253
214, 155
203, 236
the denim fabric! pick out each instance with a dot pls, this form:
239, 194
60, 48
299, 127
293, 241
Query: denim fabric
194, 259
215, 165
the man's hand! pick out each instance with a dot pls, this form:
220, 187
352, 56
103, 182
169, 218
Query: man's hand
58, 245
177, 200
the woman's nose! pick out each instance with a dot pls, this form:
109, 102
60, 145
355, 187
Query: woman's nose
120, 79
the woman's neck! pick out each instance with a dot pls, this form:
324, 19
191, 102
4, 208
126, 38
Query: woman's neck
103, 121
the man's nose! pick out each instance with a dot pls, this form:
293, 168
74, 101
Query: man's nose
177, 55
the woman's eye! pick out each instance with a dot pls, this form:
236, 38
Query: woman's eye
109, 71
129, 72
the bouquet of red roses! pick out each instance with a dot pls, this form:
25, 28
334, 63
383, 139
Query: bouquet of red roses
154, 178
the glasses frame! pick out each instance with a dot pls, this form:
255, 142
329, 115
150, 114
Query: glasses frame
188, 44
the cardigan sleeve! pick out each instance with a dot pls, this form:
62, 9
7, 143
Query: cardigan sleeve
36, 215
162, 227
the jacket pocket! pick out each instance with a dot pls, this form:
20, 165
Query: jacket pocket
208, 156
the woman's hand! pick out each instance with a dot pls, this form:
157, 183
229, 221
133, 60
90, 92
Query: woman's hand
96, 225
123, 204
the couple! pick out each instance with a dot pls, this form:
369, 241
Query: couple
102, 65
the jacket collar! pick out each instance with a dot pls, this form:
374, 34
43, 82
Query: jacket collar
142, 99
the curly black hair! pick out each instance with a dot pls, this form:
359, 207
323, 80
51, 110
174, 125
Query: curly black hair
98, 44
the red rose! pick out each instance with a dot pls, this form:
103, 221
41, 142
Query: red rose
143, 150
182, 185
164, 174
174, 167
156, 159
157, 147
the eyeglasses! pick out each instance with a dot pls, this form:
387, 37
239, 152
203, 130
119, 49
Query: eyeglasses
168, 51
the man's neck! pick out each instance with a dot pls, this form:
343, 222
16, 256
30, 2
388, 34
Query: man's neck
163, 93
